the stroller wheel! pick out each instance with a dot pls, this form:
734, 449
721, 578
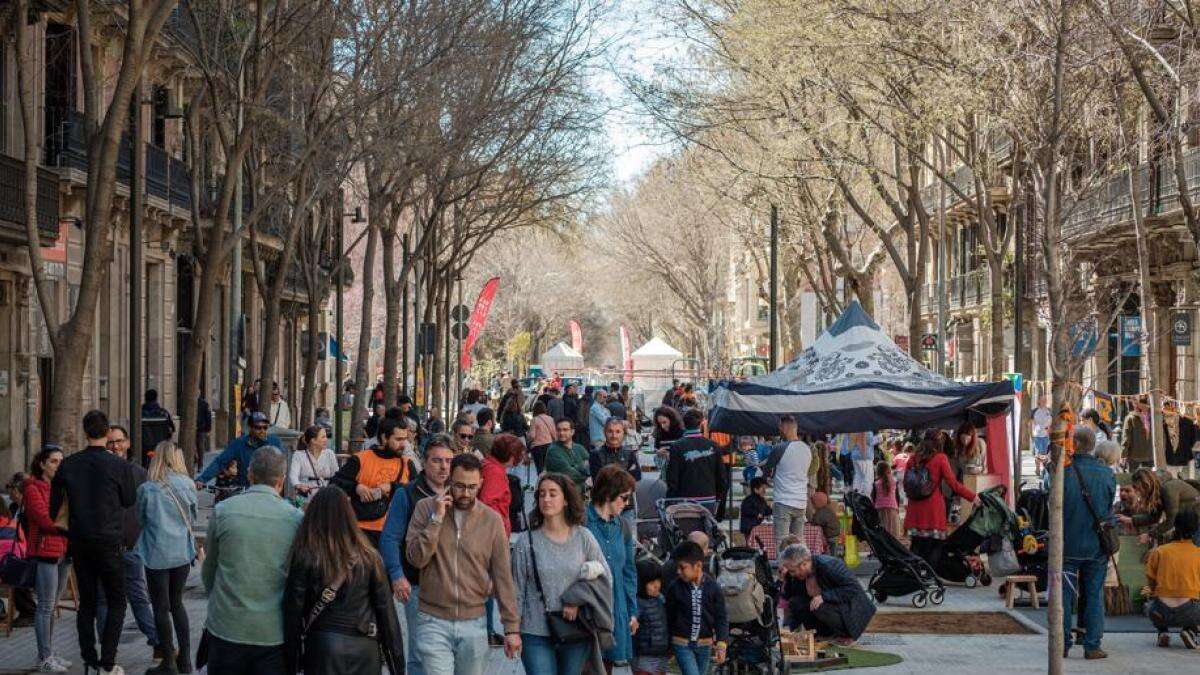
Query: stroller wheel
920, 600
970, 581
880, 597
936, 597
985, 579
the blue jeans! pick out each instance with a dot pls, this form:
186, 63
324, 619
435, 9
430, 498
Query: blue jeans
51, 577
451, 647
1041, 444
540, 655
137, 596
412, 663
692, 658
1083, 577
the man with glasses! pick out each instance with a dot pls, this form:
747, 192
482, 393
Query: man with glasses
135, 571
430, 483
567, 457
459, 547
240, 451
372, 476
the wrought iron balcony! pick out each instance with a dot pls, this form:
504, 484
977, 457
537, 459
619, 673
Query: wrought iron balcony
12, 203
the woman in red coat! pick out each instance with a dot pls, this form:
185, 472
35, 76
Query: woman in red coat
48, 548
506, 451
925, 519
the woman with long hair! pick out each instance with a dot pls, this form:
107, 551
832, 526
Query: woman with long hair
313, 463
356, 632
966, 449
1160, 501
48, 548
668, 428
1091, 418
166, 510
512, 420
925, 517
556, 552
541, 434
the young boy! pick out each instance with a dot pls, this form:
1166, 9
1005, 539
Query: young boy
652, 642
821, 514
696, 617
755, 508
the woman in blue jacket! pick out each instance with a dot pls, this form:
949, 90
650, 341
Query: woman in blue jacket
166, 508
611, 491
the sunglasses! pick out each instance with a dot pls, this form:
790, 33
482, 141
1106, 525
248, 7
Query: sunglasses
466, 437
259, 427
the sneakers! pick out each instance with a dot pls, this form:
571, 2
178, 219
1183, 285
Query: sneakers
1190, 637
1164, 639
49, 665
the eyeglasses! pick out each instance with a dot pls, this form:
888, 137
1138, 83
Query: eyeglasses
462, 487
259, 427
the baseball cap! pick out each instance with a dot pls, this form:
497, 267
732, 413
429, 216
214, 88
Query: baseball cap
258, 418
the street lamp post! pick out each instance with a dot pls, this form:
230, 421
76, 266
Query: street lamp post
356, 217
774, 314
137, 205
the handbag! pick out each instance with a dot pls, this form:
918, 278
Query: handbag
1110, 543
15, 569
562, 631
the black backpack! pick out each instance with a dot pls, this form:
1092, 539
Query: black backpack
516, 507
918, 482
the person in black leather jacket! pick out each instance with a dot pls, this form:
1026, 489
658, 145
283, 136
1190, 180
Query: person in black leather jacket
357, 632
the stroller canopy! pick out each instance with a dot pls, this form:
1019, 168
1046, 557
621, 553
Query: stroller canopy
853, 378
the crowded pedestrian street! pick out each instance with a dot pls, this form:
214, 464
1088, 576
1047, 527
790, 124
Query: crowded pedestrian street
595, 337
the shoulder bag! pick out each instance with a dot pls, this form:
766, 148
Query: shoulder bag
562, 631
166, 485
1110, 543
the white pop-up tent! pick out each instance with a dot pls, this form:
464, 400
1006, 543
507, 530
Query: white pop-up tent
652, 363
561, 358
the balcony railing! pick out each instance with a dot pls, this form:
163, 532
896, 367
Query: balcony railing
167, 178
963, 291
12, 203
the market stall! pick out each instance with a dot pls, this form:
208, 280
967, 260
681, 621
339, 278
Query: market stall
562, 358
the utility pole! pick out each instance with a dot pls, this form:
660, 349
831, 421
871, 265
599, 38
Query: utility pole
235, 284
444, 330
940, 264
137, 205
774, 287
458, 350
405, 326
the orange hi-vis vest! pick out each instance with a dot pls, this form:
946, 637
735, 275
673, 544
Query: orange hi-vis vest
374, 471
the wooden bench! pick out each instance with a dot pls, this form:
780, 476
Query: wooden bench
1013, 585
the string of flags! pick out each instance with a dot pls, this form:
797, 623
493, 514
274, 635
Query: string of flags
1105, 403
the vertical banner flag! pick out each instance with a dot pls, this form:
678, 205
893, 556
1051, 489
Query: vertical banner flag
626, 359
483, 305
576, 336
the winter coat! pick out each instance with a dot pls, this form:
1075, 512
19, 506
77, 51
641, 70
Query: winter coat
754, 511
494, 490
616, 541
44, 539
695, 469
713, 621
625, 457
1080, 540
653, 637
929, 514
395, 529
839, 588
362, 600
594, 599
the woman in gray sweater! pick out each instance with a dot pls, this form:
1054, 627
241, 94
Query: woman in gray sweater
556, 552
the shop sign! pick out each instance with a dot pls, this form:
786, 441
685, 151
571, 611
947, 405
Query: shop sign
929, 342
1181, 329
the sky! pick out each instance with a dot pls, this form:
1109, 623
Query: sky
641, 43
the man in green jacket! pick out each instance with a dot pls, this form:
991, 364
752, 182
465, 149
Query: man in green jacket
244, 572
567, 457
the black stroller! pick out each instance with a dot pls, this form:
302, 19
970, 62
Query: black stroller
754, 644
988, 524
901, 572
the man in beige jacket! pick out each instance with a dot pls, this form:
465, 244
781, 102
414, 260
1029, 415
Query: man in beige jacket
459, 546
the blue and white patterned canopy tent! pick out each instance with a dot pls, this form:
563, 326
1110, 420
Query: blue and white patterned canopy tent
853, 378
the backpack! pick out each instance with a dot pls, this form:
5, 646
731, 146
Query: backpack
516, 504
918, 482
744, 595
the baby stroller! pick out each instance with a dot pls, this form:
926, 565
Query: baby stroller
901, 572
751, 596
681, 517
985, 528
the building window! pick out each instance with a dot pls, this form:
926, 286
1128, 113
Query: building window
158, 134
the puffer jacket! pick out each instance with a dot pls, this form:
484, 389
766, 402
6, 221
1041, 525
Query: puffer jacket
44, 539
653, 638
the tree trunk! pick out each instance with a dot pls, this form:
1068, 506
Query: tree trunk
213, 269
308, 398
915, 329
362, 374
1148, 307
997, 303
391, 324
